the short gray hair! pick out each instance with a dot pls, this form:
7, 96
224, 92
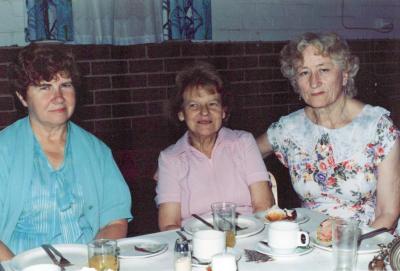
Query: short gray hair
328, 44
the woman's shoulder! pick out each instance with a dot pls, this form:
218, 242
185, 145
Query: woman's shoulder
82, 137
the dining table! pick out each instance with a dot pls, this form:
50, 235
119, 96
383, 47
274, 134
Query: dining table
316, 259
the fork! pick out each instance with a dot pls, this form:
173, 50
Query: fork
63, 262
52, 257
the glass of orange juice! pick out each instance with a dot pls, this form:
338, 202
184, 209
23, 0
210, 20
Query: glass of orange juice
103, 255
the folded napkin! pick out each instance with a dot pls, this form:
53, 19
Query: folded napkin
255, 256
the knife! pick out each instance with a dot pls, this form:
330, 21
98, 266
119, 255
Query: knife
371, 234
203, 220
52, 257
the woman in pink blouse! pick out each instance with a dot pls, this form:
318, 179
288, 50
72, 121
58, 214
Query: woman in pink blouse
209, 163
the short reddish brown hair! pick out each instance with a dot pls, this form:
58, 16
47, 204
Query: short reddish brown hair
36, 63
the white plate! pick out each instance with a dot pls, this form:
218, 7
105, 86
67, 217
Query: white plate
301, 218
253, 225
75, 253
127, 247
267, 250
234, 251
367, 246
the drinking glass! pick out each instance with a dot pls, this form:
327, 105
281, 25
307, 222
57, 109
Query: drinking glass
103, 255
344, 241
224, 219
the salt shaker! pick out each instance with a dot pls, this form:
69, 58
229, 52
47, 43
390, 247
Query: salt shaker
182, 256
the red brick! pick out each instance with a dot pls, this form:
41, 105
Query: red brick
200, 49
177, 64
233, 76
6, 103
3, 71
144, 66
112, 96
109, 67
229, 48
172, 49
258, 74
91, 52
129, 110
269, 61
161, 79
128, 81
156, 108
242, 62
5, 87
8, 54
259, 48
94, 112
97, 82
112, 125
128, 52
148, 94
84, 68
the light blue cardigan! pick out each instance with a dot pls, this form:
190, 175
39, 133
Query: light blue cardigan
106, 195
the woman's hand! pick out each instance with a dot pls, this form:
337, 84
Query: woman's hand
5, 252
115, 230
387, 209
169, 216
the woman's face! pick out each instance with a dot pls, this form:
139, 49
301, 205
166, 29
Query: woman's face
51, 103
319, 79
202, 112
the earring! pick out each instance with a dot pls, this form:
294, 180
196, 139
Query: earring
299, 97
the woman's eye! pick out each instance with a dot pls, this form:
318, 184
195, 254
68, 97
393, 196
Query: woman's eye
214, 104
44, 87
67, 85
193, 106
325, 70
302, 73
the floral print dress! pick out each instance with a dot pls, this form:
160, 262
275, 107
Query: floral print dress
334, 171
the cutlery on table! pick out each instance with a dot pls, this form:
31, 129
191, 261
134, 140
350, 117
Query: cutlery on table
52, 257
151, 251
200, 262
371, 234
180, 233
203, 220
63, 262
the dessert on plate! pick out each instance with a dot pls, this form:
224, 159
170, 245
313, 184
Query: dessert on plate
324, 232
276, 214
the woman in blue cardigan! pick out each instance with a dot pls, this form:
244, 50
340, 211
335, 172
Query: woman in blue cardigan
58, 183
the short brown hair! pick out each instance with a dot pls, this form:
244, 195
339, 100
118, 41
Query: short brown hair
199, 74
41, 62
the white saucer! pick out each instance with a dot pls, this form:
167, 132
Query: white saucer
267, 250
236, 252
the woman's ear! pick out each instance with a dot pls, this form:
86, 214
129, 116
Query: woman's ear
345, 78
181, 117
21, 99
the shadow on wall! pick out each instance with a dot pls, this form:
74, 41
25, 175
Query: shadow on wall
144, 209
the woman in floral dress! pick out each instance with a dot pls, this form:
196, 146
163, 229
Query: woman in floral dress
343, 155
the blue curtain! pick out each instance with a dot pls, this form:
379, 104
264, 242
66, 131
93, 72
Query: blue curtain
49, 20
187, 19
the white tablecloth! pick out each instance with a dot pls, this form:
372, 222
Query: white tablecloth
316, 260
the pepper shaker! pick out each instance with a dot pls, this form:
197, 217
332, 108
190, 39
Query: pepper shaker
182, 256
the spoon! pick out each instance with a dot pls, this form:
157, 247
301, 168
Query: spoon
151, 250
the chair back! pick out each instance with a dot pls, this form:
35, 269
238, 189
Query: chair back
274, 187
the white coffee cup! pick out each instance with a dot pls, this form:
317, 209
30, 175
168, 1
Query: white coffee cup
42, 267
207, 243
285, 236
224, 262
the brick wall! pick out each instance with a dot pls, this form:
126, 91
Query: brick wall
125, 89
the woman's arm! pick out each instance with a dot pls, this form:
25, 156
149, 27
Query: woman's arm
261, 196
264, 145
169, 216
388, 190
115, 230
5, 252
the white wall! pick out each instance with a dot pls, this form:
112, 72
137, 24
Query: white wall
279, 20
13, 21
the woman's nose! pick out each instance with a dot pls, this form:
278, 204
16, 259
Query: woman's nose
58, 95
204, 110
315, 80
